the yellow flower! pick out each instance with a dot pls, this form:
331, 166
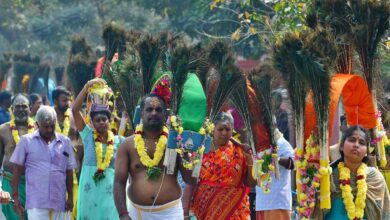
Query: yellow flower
188, 166
173, 119
180, 130
15, 132
65, 130
201, 149
100, 163
299, 151
316, 184
179, 150
202, 131
142, 152
303, 196
354, 210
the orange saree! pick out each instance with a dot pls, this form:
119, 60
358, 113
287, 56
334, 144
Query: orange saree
221, 193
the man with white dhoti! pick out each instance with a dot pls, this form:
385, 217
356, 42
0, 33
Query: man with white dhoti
153, 193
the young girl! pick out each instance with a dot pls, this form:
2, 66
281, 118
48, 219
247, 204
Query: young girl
357, 191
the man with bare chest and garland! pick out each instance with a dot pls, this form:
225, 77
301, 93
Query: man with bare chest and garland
154, 194
10, 134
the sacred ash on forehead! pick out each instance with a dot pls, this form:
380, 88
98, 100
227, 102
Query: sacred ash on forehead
154, 102
20, 100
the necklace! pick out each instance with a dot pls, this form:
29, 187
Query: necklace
101, 163
355, 210
14, 129
65, 130
153, 171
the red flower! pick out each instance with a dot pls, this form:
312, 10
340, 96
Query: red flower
98, 139
345, 182
359, 177
110, 142
99, 171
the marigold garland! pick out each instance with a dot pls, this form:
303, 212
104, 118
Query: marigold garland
14, 129
354, 210
308, 177
66, 124
100, 163
151, 164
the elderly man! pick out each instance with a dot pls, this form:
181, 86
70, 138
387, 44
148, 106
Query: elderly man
10, 134
153, 193
49, 162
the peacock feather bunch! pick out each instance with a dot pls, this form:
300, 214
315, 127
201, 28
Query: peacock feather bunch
81, 64
370, 21
260, 80
227, 77
335, 16
287, 59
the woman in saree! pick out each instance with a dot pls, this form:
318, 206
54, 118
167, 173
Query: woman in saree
357, 191
225, 177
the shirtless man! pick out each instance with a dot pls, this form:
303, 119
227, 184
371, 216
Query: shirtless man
150, 198
21, 111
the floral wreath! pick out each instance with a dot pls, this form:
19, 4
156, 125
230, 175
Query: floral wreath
65, 130
14, 129
265, 167
190, 158
308, 176
153, 171
103, 163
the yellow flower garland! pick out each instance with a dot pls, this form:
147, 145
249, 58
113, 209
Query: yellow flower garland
142, 152
64, 131
100, 163
14, 130
354, 210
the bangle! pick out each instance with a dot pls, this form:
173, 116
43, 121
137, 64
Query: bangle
123, 213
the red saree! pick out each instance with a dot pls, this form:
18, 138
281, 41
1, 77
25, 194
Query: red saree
221, 193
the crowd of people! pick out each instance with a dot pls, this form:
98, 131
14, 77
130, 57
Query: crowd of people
57, 164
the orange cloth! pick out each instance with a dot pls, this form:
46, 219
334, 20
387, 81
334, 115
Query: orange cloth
221, 193
357, 102
273, 214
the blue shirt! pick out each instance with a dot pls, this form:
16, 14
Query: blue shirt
5, 116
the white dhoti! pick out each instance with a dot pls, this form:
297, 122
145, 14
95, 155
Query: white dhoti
47, 214
172, 210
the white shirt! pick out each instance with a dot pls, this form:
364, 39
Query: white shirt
280, 195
